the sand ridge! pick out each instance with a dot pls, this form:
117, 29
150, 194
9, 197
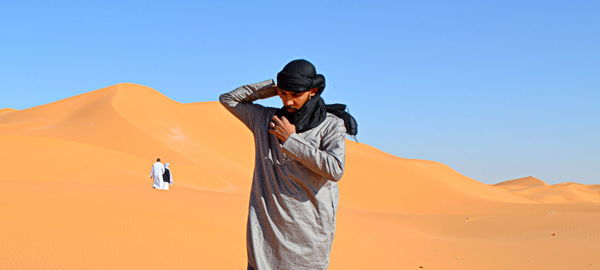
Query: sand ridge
537, 190
7, 110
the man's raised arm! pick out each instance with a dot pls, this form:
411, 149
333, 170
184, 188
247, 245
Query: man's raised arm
239, 101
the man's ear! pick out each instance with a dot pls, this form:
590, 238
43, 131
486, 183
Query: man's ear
313, 91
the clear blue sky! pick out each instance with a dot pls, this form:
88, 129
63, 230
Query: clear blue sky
495, 90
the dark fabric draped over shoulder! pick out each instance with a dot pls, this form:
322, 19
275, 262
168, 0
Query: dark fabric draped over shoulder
301, 76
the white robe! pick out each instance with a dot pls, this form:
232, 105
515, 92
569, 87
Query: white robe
156, 173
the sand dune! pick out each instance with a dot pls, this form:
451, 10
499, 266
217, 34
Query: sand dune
536, 190
76, 194
6, 110
522, 182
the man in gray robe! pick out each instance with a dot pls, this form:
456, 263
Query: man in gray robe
300, 154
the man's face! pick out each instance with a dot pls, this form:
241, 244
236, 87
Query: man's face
293, 101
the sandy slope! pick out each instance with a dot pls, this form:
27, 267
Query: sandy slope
76, 195
6, 110
537, 190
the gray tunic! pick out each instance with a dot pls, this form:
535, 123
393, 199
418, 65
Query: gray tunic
294, 197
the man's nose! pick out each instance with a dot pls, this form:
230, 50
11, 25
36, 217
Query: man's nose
289, 102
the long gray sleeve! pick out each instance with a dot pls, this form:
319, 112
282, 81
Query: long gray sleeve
239, 101
327, 161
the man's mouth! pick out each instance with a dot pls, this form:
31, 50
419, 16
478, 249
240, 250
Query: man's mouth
291, 109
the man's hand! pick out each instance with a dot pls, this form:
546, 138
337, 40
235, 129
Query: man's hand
281, 128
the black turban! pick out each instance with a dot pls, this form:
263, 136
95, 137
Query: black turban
301, 76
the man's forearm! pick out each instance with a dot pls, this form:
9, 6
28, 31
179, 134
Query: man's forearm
329, 164
248, 93
239, 101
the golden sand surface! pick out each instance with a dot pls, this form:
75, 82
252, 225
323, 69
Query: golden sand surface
7, 110
75, 194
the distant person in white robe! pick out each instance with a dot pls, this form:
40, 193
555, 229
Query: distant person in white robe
156, 173
167, 177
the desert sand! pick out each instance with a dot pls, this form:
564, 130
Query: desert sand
6, 110
75, 194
